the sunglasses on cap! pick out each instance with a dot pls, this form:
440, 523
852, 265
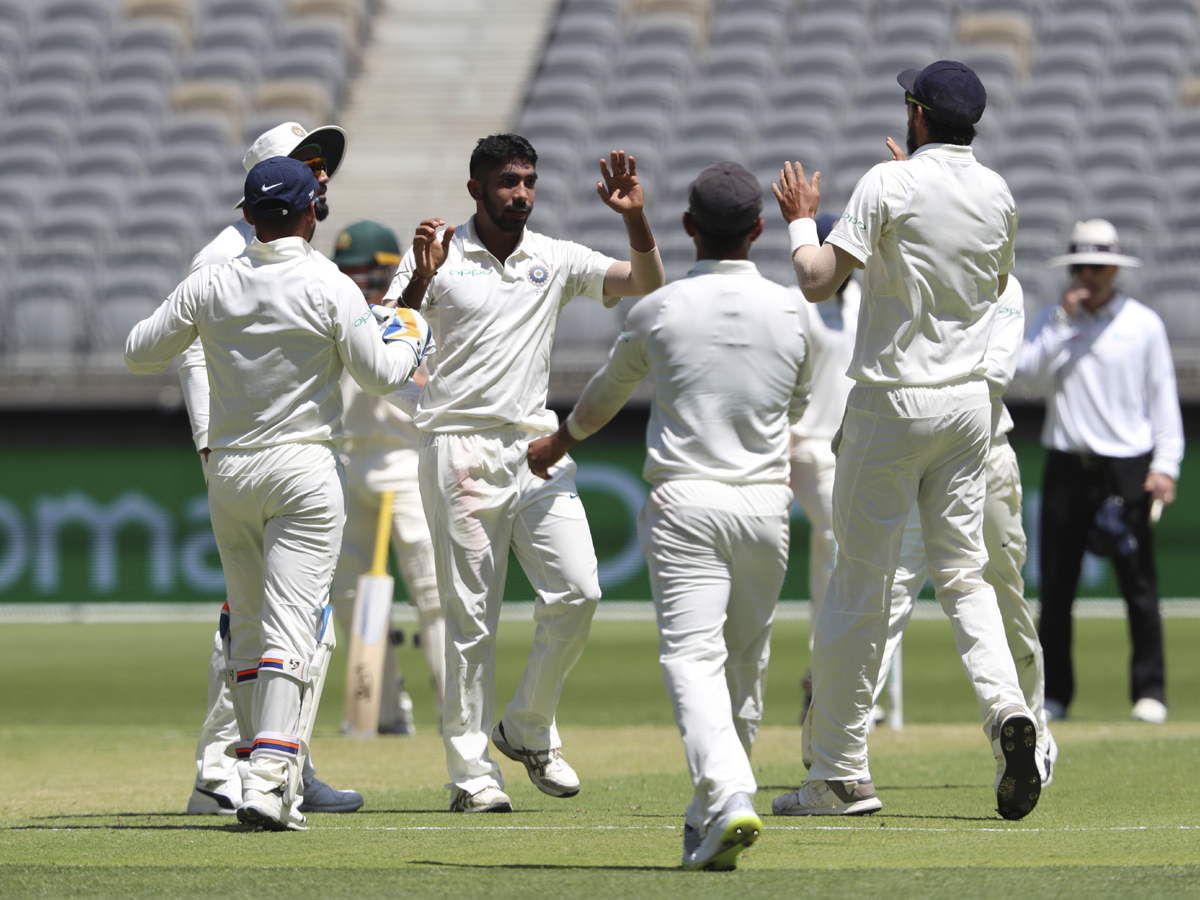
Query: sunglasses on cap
317, 164
1089, 267
909, 98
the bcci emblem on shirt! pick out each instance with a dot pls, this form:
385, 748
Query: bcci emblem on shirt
538, 274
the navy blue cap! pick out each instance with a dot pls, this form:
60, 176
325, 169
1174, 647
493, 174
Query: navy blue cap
725, 199
825, 223
278, 187
948, 89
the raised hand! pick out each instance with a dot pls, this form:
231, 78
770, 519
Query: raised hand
428, 252
620, 188
798, 199
897, 154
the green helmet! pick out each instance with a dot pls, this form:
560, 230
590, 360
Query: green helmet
367, 244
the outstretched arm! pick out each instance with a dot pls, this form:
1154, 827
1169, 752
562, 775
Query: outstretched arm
621, 191
820, 269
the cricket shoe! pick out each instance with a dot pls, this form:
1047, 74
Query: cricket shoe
321, 798
265, 809
1018, 773
488, 799
732, 831
217, 798
549, 772
1049, 758
817, 797
1149, 710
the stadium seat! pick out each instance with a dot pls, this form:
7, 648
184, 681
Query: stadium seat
247, 34
196, 129
1090, 29
91, 192
59, 99
137, 100
801, 95
49, 310
323, 35
149, 66
77, 224
167, 255
157, 35
1038, 126
831, 29
306, 101
116, 130
1027, 185
643, 96
12, 43
118, 163
226, 64
556, 125
114, 319
99, 13
1057, 97
730, 94
79, 37
59, 66
914, 27
171, 221
801, 61
678, 33
36, 131
702, 124
309, 63
185, 190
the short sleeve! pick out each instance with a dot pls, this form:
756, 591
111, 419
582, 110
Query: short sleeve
862, 224
585, 270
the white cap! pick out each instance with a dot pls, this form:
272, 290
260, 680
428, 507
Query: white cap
1094, 242
328, 141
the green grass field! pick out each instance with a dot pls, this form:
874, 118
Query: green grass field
98, 727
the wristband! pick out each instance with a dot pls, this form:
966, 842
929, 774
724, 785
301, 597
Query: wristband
803, 233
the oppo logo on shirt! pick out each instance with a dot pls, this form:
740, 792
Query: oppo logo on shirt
464, 272
853, 220
365, 318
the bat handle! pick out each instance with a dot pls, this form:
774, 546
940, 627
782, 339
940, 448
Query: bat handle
1156, 508
383, 532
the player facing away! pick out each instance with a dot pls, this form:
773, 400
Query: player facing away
278, 325
1003, 535
379, 451
935, 235
492, 290
728, 357
218, 785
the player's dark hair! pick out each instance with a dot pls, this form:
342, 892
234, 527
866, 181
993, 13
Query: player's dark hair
720, 245
496, 150
941, 132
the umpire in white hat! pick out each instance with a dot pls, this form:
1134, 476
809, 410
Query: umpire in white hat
1114, 439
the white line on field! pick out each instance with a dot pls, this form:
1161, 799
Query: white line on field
769, 827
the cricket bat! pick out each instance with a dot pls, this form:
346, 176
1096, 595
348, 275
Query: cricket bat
369, 633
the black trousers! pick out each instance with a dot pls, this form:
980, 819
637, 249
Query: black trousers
1073, 488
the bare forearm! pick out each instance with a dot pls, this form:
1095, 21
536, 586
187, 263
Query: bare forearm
638, 229
413, 294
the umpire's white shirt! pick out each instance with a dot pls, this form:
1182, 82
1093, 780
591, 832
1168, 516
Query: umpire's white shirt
1109, 381
278, 324
831, 329
493, 324
728, 355
935, 233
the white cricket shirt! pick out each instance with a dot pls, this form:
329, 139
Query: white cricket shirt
831, 328
193, 374
1004, 352
278, 324
728, 355
493, 324
935, 233
1109, 381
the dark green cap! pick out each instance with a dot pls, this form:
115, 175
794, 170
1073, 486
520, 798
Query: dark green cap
367, 244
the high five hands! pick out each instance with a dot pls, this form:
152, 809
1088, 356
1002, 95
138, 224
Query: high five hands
428, 252
798, 198
620, 189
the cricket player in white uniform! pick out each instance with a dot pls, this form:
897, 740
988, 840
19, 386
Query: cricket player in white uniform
492, 290
935, 234
379, 451
278, 325
715, 527
217, 788
831, 344
1003, 535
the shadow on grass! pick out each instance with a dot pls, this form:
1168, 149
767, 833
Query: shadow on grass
546, 866
887, 787
232, 827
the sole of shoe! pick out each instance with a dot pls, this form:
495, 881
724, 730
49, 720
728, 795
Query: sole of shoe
500, 807
209, 803
1021, 785
738, 835
545, 787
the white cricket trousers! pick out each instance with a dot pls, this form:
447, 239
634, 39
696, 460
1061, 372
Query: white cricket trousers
480, 500
277, 515
414, 553
900, 446
1004, 538
813, 465
717, 555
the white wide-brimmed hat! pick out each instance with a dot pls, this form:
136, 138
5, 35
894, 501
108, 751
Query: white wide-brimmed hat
328, 141
1094, 242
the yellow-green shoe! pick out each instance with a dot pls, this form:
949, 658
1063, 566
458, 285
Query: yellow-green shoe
734, 830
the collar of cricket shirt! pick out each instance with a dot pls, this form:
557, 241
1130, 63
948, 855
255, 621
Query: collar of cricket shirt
948, 151
723, 267
278, 251
472, 244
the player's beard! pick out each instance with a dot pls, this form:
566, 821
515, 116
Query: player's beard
911, 143
322, 209
495, 212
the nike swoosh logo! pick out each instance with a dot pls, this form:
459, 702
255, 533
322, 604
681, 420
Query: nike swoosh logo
572, 496
270, 187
